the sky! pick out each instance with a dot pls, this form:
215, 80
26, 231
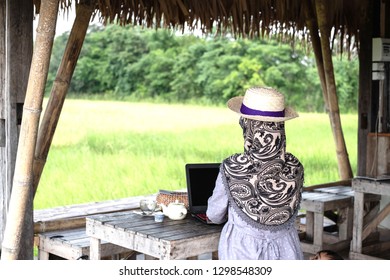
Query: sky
64, 22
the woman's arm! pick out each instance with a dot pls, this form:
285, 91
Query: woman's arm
218, 203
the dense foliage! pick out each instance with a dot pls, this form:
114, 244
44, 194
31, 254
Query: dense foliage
129, 63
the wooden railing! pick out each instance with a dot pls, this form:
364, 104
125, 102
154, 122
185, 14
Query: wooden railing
73, 216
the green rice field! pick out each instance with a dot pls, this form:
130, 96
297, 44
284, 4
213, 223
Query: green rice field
108, 150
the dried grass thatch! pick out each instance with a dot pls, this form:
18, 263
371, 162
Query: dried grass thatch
285, 19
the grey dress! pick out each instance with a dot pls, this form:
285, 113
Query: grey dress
239, 241
258, 194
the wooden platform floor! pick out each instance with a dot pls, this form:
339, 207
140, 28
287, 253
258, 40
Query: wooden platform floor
384, 235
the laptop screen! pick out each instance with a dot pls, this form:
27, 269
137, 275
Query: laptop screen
201, 179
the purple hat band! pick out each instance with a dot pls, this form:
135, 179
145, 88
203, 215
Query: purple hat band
248, 111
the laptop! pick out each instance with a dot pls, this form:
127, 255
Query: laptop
200, 178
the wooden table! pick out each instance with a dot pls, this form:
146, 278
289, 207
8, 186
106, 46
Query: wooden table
316, 204
170, 239
361, 230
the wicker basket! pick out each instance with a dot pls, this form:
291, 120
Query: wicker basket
166, 197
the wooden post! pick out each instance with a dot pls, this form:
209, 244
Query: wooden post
345, 171
365, 76
311, 22
316, 20
4, 192
60, 87
22, 190
17, 48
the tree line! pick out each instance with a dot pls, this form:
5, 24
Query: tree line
133, 63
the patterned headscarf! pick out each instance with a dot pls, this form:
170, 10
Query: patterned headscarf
264, 183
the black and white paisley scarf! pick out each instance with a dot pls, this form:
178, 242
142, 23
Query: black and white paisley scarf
264, 183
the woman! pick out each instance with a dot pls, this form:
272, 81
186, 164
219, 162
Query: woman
258, 192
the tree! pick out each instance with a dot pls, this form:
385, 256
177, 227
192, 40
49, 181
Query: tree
131, 63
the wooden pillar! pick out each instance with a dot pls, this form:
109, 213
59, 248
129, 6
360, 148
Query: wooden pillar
312, 25
84, 10
16, 35
365, 74
4, 192
345, 170
20, 205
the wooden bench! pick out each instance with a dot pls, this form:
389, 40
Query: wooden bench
335, 205
60, 231
73, 244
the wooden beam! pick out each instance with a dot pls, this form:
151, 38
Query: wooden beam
365, 75
4, 193
376, 221
60, 87
19, 56
316, 18
22, 190
311, 22
345, 170
17, 48
331, 184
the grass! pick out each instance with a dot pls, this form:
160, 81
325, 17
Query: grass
107, 150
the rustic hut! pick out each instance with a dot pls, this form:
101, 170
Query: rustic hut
322, 24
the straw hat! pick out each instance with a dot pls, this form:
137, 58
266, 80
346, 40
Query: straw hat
263, 104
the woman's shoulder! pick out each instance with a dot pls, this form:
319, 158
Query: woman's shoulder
292, 159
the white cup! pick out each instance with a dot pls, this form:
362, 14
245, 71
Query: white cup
159, 217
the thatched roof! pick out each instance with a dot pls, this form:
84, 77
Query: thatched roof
245, 18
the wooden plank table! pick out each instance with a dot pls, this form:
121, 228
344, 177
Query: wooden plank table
170, 239
362, 187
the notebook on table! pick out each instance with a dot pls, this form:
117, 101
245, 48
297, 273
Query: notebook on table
200, 178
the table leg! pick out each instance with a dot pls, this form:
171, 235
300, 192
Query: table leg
43, 255
344, 223
309, 225
148, 257
356, 244
95, 249
318, 231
